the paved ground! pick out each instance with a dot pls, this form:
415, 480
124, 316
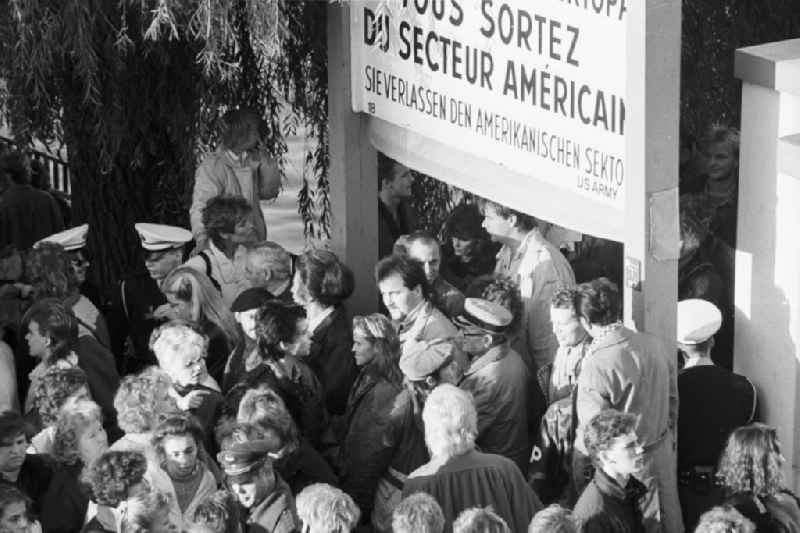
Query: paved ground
284, 224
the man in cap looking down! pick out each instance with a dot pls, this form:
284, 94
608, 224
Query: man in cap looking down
139, 295
713, 402
498, 379
249, 472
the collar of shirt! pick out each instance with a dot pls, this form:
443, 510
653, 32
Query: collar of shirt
313, 323
229, 272
411, 318
493, 354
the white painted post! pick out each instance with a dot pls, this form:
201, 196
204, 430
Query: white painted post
768, 255
353, 169
651, 141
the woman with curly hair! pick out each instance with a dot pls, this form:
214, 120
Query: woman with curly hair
724, 519
325, 509
750, 471
321, 285
50, 271
113, 479
142, 402
297, 461
363, 455
192, 297
79, 440
147, 513
56, 387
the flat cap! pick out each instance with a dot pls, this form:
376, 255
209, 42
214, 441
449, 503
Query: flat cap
252, 298
698, 321
485, 315
424, 358
157, 237
70, 239
242, 459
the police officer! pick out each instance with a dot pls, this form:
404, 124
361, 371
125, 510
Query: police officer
131, 314
713, 402
266, 498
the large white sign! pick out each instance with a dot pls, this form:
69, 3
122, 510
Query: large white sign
537, 86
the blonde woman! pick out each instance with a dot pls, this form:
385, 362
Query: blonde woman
191, 296
363, 455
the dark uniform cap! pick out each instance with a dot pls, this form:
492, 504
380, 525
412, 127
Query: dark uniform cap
252, 298
424, 358
485, 315
242, 459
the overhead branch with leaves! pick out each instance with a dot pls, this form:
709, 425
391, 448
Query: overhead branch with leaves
134, 89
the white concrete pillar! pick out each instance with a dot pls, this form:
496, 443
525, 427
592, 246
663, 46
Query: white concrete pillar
353, 169
767, 290
651, 153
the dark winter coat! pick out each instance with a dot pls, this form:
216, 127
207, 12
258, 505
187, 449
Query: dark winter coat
331, 358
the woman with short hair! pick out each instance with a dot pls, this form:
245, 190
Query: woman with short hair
751, 473
468, 251
192, 297
147, 513
79, 440
55, 388
458, 476
112, 479
321, 285
363, 455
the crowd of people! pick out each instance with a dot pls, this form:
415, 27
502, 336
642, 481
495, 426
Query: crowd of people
227, 388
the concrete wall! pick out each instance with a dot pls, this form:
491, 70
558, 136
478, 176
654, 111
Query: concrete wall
768, 238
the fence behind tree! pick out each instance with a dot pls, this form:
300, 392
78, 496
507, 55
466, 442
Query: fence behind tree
57, 169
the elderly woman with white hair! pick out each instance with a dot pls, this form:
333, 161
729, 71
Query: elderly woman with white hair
458, 476
181, 348
326, 509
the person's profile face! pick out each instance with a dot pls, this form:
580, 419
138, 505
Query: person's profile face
247, 320
363, 351
179, 308
93, 442
496, 225
300, 293
402, 181
162, 262
566, 326
38, 344
399, 299
625, 455
187, 369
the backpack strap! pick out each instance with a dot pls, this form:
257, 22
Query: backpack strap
207, 261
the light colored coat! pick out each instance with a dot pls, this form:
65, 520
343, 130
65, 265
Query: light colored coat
539, 270
637, 373
219, 174
425, 323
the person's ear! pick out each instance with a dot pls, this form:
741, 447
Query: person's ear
487, 340
431, 382
584, 323
282, 345
512, 220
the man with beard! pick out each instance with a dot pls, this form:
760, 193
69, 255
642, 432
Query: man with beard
266, 498
130, 317
404, 289
29, 473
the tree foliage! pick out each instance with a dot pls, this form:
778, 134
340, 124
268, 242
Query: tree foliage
135, 88
712, 31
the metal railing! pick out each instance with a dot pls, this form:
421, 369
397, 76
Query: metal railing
57, 169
